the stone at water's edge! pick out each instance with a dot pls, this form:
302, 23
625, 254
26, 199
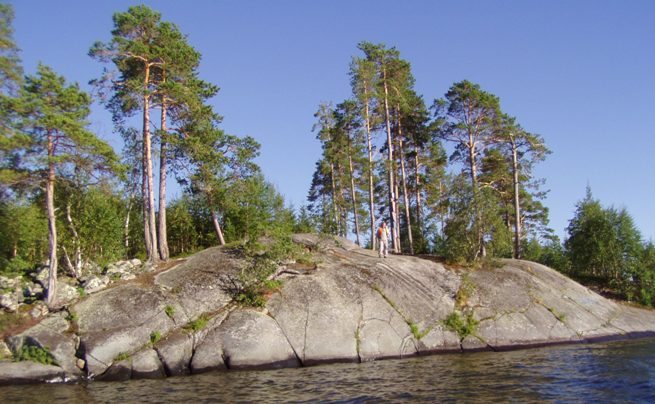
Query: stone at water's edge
353, 307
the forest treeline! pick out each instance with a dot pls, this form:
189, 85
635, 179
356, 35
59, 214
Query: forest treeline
453, 179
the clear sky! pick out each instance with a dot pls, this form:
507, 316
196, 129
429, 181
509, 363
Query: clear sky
580, 73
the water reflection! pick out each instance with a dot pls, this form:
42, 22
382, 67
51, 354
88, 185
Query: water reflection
602, 372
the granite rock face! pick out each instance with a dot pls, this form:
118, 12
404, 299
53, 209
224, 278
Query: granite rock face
352, 306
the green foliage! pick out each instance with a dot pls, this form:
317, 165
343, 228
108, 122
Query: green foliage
198, 324
253, 208
644, 280
559, 316
9, 321
462, 326
23, 238
465, 291
251, 297
155, 337
604, 247
169, 310
184, 235
263, 259
90, 210
10, 68
122, 356
72, 316
416, 332
551, 253
35, 354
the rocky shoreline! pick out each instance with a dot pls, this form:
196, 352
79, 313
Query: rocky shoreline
351, 307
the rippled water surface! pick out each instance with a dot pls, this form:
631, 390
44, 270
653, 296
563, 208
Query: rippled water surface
612, 372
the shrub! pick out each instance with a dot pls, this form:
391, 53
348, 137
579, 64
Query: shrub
35, 354
462, 326
197, 324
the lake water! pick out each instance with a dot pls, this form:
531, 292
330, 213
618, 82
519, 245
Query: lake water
603, 372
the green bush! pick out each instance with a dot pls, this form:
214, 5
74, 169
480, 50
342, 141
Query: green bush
462, 326
35, 354
197, 324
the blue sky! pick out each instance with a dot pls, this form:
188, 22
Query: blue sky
580, 73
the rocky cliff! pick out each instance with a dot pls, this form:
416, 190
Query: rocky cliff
352, 306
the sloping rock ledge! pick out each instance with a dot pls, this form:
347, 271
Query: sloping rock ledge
352, 307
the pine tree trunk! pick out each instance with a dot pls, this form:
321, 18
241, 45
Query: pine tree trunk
147, 159
162, 241
404, 180
144, 201
217, 228
395, 247
517, 204
476, 199
371, 189
52, 224
343, 208
353, 196
334, 200
419, 203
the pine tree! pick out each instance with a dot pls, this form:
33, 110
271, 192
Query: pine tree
470, 116
11, 72
364, 84
11, 76
136, 55
53, 115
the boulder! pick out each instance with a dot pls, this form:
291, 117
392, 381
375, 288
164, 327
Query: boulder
34, 290
93, 283
39, 309
52, 335
9, 302
146, 365
251, 339
204, 282
119, 320
142, 365
10, 283
12, 373
175, 352
42, 275
66, 293
91, 268
122, 269
135, 262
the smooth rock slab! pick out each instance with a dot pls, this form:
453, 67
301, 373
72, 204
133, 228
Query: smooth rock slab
176, 351
29, 372
254, 340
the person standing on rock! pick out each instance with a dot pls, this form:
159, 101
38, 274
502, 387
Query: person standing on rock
383, 239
